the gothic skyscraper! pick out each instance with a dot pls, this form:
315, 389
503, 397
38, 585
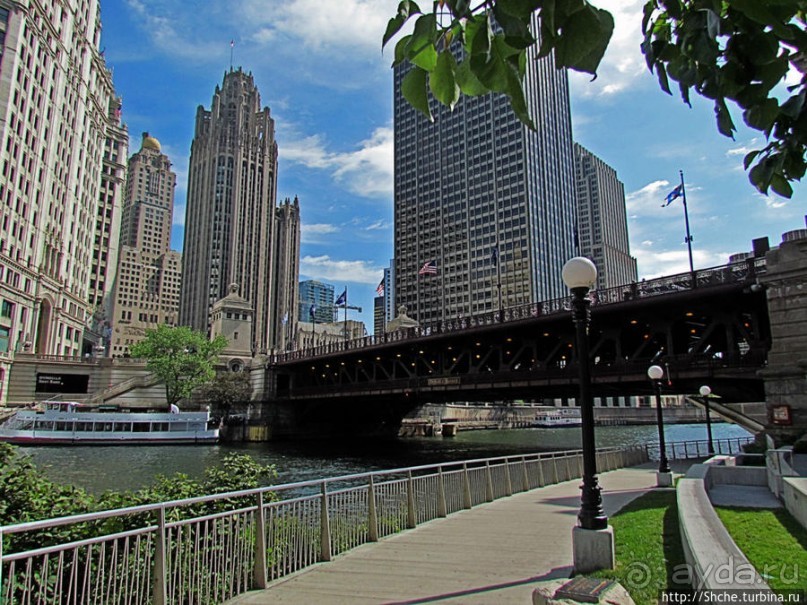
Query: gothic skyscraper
488, 201
231, 216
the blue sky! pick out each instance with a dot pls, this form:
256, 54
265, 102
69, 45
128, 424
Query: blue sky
319, 68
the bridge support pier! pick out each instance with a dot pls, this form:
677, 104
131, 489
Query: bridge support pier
786, 375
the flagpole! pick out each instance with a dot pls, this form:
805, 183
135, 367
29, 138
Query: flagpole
686, 221
345, 316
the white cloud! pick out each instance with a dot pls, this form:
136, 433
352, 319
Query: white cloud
366, 171
167, 28
380, 225
327, 269
623, 63
311, 233
647, 200
656, 263
320, 26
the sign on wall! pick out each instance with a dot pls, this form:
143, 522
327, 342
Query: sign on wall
61, 383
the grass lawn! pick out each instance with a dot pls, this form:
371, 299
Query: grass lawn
648, 548
774, 542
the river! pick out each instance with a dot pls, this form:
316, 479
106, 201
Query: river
130, 467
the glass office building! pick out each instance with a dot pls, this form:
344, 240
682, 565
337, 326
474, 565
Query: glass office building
489, 201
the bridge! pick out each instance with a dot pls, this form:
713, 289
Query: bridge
706, 327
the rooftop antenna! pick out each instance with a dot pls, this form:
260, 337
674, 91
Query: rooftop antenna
232, 45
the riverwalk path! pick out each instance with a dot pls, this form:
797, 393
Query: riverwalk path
493, 554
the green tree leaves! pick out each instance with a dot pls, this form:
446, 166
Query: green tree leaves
182, 358
739, 51
476, 48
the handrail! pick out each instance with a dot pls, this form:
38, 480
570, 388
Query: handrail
297, 485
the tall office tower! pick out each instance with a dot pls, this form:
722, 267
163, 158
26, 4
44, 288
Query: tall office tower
389, 294
319, 295
61, 144
149, 275
230, 214
488, 201
287, 275
602, 221
379, 317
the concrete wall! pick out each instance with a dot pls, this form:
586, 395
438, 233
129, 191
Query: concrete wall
794, 497
708, 549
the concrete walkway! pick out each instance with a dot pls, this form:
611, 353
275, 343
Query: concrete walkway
492, 554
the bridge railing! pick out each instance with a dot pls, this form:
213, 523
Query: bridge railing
733, 273
688, 450
212, 548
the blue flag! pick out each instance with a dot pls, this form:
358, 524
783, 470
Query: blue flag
494, 256
312, 311
673, 195
342, 298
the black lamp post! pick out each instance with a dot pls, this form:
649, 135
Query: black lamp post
579, 275
706, 392
656, 373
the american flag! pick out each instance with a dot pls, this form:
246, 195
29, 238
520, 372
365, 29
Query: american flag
380, 289
430, 268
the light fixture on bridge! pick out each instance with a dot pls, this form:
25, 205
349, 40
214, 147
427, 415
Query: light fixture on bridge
706, 394
592, 539
655, 374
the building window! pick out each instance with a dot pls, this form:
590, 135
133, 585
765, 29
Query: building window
6, 309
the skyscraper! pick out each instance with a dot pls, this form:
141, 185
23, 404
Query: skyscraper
231, 215
318, 296
488, 201
63, 148
602, 220
149, 273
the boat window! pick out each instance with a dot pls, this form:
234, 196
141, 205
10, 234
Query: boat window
179, 426
103, 426
160, 426
24, 425
84, 426
123, 427
44, 425
141, 427
64, 426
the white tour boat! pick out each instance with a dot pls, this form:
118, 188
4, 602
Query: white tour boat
72, 423
557, 417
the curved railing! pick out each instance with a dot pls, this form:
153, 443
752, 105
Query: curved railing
733, 273
213, 548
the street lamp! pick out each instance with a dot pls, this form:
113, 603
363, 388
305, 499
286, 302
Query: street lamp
579, 274
656, 373
706, 392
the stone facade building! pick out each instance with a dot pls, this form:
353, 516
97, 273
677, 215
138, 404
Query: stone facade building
149, 273
62, 148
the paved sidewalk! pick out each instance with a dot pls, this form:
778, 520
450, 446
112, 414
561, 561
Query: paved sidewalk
492, 554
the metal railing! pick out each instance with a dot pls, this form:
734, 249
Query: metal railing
688, 450
213, 548
739, 272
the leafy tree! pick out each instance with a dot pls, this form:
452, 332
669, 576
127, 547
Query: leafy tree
181, 357
228, 388
725, 50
